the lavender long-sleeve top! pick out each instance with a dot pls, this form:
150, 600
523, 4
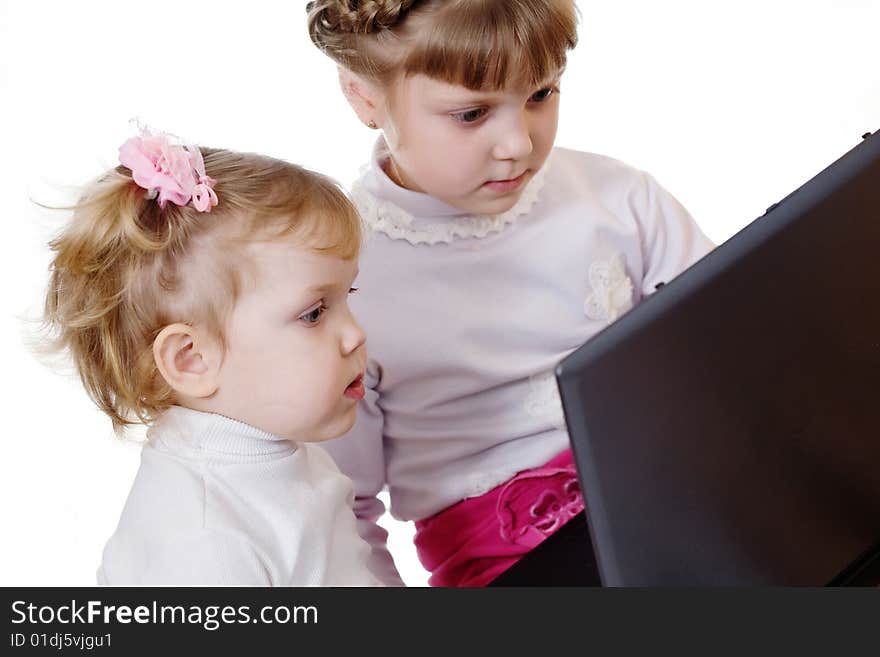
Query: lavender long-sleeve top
467, 316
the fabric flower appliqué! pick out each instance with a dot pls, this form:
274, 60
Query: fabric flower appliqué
612, 289
527, 521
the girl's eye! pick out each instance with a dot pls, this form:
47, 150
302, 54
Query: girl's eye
470, 116
314, 315
352, 290
542, 95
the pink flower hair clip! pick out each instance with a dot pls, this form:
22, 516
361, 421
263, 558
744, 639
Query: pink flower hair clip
169, 170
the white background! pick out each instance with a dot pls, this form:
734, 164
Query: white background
730, 105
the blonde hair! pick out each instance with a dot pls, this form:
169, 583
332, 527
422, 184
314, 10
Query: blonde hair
475, 43
124, 268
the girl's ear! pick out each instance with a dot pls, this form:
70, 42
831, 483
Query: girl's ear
365, 98
188, 359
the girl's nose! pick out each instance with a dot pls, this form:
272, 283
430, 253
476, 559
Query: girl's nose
514, 139
353, 335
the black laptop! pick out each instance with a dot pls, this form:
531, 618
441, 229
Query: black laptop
727, 429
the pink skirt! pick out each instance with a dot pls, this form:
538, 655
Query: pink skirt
473, 541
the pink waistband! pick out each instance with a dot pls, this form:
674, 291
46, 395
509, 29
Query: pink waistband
473, 541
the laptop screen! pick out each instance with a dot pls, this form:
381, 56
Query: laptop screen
727, 430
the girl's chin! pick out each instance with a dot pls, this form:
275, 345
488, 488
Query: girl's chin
493, 206
334, 428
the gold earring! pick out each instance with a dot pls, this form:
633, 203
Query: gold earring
371, 124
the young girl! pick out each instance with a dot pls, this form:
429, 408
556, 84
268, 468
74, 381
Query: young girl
491, 256
203, 293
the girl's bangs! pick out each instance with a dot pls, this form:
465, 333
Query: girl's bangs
491, 45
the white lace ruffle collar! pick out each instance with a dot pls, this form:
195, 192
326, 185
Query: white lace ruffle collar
420, 218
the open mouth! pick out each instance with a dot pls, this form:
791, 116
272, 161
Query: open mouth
355, 389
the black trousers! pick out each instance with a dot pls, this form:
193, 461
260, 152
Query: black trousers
564, 559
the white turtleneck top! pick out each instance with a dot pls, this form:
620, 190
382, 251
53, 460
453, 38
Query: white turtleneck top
219, 502
467, 316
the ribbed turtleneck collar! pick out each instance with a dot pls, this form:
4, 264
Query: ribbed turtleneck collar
216, 434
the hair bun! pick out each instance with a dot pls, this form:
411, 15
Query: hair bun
357, 16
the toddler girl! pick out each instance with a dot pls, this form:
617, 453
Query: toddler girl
491, 256
203, 292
